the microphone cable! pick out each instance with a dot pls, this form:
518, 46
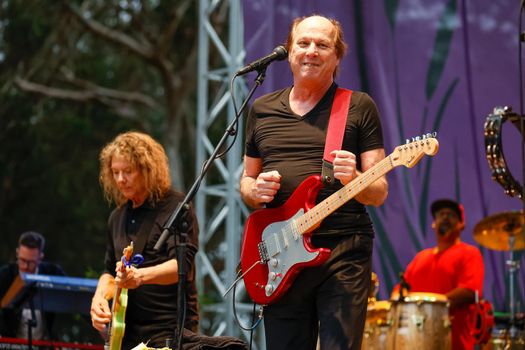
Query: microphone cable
255, 324
521, 39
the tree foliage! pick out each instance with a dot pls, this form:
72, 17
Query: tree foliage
73, 74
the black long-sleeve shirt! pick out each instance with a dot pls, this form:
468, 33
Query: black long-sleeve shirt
151, 313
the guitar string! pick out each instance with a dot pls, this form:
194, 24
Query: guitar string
318, 213
340, 197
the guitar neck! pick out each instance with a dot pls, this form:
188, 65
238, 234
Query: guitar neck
116, 297
314, 216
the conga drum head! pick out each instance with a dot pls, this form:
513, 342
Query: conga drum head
425, 297
419, 321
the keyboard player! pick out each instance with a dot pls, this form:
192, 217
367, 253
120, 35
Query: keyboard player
29, 259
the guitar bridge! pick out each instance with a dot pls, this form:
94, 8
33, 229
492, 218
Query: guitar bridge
263, 252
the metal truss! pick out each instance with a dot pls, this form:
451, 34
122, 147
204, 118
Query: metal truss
219, 208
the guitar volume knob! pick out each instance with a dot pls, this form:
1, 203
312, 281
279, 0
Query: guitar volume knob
268, 289
274, 262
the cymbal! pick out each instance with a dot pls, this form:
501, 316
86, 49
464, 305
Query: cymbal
494, 232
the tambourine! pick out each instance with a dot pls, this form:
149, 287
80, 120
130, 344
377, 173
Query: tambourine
481, 321
494, 150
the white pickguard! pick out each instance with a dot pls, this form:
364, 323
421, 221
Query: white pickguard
285, 248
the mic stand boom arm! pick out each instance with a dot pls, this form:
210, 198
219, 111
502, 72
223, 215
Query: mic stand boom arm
177, 222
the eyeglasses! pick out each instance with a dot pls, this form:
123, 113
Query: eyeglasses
31, 264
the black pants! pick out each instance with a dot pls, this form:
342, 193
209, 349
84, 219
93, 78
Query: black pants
332, 296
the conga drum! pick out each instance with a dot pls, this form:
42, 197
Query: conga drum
376, 325
419, 321
374, 287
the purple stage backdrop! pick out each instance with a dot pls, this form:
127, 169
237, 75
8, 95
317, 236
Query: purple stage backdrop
430, 66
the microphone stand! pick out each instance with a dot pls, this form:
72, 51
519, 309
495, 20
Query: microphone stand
514, 265
403, 286
31, 323
177, 222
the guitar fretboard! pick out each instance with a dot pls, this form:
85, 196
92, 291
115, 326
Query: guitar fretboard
314, 216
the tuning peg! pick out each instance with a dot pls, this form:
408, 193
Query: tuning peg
500, 109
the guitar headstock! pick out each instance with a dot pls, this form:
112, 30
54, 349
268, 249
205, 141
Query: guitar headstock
128, 252
410, 153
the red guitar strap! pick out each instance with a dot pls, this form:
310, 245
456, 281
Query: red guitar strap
335, 132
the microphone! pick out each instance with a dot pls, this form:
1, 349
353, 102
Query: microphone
443, 229
403, 286
278, 54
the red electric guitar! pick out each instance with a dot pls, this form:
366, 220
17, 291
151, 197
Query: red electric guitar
276, 242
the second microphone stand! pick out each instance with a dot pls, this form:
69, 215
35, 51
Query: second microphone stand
177, 224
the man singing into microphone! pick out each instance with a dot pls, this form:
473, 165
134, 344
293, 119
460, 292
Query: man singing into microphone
452, 268
285, 139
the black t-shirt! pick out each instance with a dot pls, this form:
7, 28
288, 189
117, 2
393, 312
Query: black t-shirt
152, 309
294, 146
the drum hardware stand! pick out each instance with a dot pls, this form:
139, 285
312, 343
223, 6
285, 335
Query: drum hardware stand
501, 174
514, 266
31, 323
176, 225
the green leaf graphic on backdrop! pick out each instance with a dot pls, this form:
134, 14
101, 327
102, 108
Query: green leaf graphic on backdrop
391, 10
446, 26
412, 231
423, 203
388, 259
422, 131
457, 174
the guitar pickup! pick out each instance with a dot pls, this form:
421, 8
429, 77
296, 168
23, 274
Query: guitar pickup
273, 245
263, 252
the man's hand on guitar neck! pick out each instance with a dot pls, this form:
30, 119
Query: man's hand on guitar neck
132, 277
128, 277
345, 170
344, 166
